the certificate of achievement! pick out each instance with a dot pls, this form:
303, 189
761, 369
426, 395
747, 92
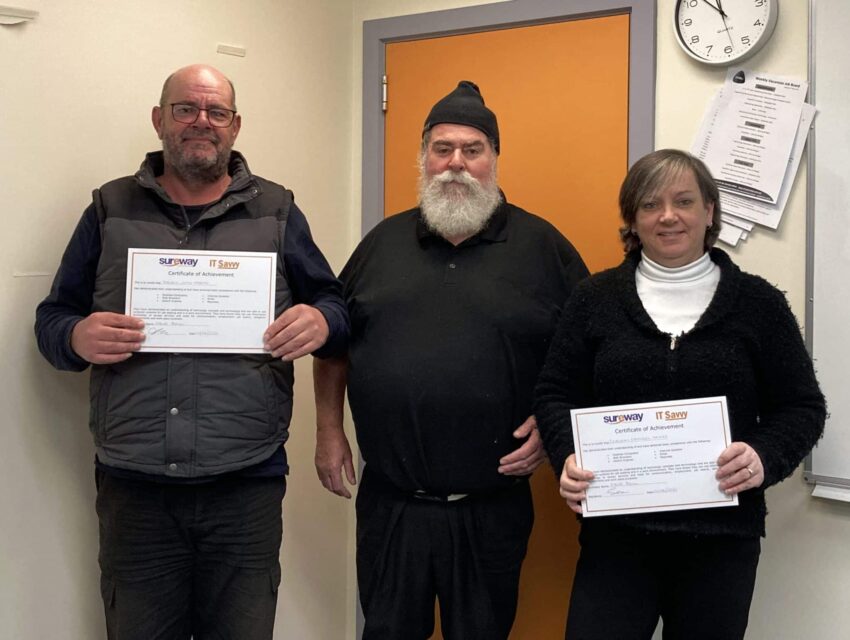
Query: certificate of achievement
201, 301
653, 456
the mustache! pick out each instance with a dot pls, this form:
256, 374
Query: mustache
461, 177
198, 134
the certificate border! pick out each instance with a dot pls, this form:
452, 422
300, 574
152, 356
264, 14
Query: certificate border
269, 256
728, 501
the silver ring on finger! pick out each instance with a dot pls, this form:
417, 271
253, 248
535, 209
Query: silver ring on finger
750, 471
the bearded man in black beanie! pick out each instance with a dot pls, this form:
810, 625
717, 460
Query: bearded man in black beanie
453, 305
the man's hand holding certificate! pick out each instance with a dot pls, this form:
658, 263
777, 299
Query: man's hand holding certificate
656, 456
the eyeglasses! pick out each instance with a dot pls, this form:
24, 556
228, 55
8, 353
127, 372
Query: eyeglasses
188, 114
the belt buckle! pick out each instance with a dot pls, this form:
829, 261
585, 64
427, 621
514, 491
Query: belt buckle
430, 497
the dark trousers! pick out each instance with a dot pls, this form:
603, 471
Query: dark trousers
701, 586
181, 561
466, 553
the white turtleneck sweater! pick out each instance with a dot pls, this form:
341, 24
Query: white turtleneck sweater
675, 298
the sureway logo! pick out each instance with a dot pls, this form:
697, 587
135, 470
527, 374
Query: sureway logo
618, 418
178, 262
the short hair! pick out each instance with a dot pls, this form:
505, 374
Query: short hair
652, 173
168, 82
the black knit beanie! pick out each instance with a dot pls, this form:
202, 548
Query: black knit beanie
465, 106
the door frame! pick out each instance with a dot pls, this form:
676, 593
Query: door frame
489, 17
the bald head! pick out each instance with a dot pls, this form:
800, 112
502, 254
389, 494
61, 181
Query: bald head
196, 75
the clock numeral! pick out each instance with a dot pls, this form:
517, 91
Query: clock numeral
727, 49
745, 40
693, 3
758, 23
688, 22
694, 39
759, 3
708, 48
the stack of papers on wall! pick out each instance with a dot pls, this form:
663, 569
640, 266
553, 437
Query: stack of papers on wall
752, 138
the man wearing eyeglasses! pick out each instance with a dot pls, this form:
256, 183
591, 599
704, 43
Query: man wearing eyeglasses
190, 464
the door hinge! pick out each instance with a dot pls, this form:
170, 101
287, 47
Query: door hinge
384, 94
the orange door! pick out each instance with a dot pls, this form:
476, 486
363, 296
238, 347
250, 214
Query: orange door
560, 92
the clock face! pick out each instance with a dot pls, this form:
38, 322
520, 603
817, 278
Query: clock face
721, 32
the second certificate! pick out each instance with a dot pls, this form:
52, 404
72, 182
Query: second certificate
656, 456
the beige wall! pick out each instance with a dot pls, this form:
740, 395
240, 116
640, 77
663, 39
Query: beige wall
76, 88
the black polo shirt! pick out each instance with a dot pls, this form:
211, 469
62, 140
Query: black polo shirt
447, 343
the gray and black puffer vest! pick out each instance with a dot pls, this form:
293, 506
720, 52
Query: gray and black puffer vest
189, 415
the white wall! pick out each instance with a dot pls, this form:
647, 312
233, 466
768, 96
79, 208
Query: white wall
76, 88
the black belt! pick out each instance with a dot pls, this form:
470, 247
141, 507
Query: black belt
454, 497
379, 484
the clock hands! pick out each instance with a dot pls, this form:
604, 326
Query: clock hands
718, 8
723, 16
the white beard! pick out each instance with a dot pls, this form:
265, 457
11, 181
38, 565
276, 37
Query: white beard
454, 204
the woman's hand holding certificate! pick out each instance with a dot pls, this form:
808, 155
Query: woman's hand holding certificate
740, 468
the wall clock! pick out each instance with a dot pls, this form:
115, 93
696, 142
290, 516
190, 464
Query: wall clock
724, 32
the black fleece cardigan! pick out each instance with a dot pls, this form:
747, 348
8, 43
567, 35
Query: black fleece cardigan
746, 346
